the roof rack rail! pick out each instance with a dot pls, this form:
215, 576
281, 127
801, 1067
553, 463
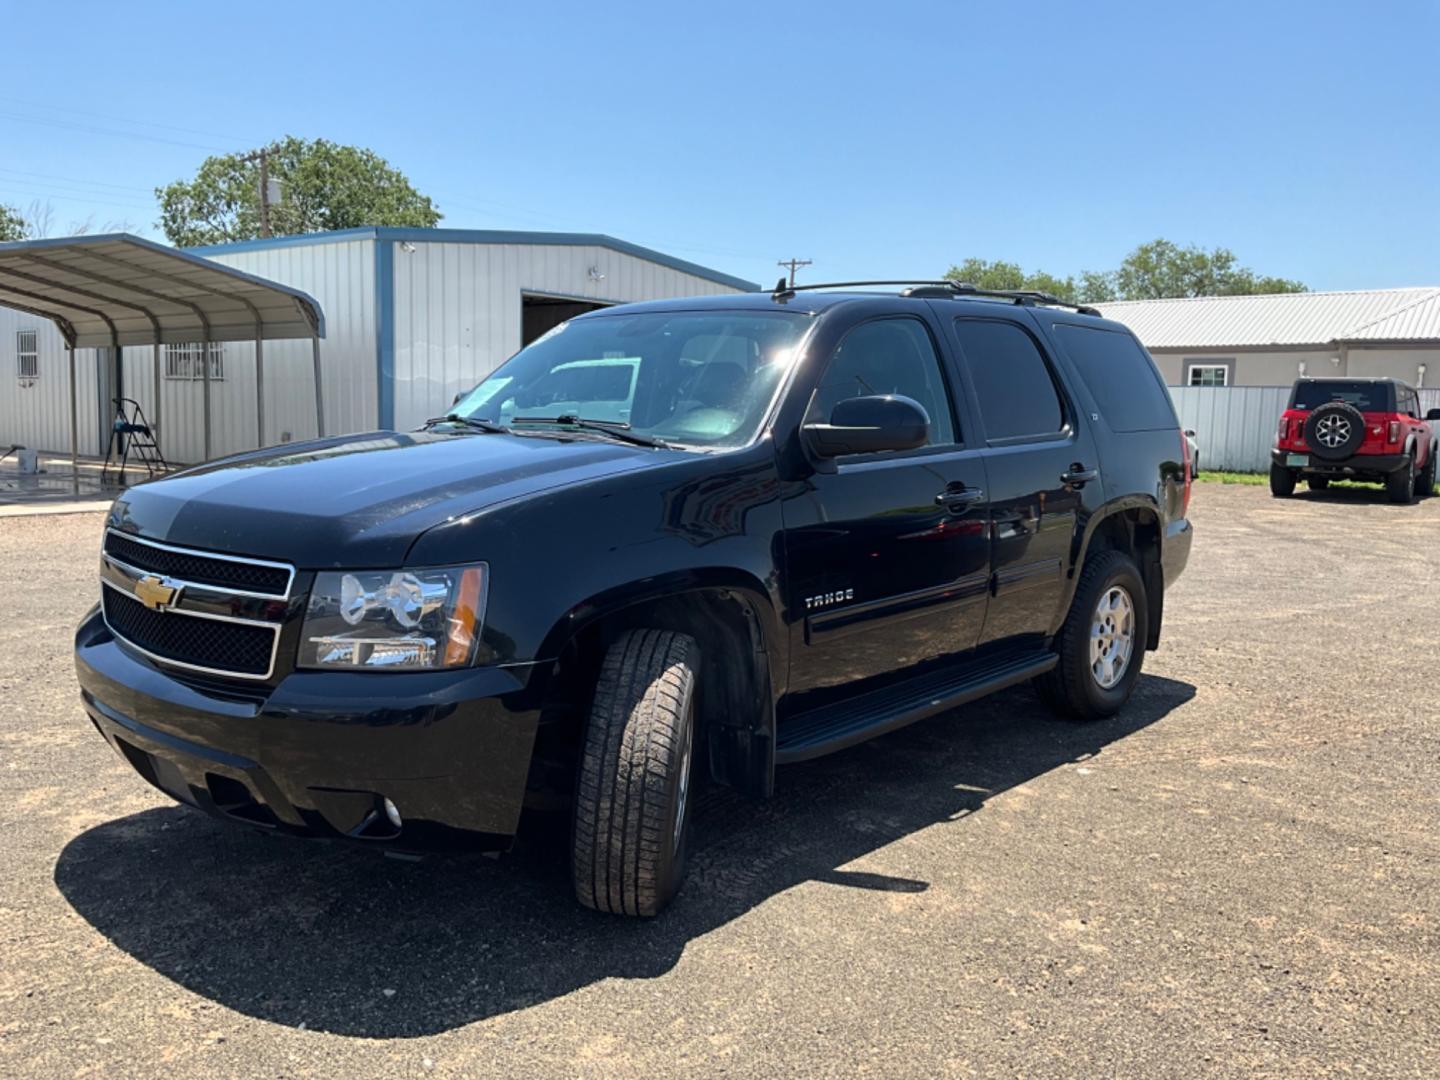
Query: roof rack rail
953, 288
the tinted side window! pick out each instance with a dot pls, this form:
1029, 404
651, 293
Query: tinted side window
1122, 378
1013, 385
887, 356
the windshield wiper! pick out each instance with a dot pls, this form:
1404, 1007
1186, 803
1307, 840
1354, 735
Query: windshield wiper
476, 423
617, 428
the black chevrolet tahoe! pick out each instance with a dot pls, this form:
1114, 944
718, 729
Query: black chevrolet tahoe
666, 543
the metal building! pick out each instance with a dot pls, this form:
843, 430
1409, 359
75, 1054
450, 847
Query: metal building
412, 317
1270, 340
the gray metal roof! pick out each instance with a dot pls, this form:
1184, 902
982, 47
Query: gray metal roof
483, 236
117, 289
1289, 319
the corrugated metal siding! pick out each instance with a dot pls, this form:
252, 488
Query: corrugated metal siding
1283, 319
38, 415
458, 312
341, 277
1235, 425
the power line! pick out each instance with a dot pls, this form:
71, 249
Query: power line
122, 119
77, 180
95, 129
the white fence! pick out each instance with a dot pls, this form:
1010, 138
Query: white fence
1235, 425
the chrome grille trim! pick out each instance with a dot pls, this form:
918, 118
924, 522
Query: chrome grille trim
133, 573
213, 555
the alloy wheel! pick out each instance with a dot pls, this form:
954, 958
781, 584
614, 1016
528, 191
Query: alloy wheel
1112, 637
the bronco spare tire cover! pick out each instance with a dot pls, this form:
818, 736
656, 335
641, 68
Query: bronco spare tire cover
1334, 431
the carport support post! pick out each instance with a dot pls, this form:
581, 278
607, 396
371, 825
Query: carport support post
205, 374
259, 390
319, 389
74, 425
155, 415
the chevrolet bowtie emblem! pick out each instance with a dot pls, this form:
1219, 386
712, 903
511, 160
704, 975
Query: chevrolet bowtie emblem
155, 593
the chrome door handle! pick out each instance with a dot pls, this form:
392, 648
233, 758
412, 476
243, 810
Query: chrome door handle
1079, 476
955, 497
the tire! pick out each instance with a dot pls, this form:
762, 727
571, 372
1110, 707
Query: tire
1400, 484
1318, 483
633, 797
1072, 688
1282, 482
1335, 431
1425, 482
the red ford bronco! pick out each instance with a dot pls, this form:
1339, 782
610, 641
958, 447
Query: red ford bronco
1355, 429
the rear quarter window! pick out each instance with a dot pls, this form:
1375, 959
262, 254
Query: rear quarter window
1121, 377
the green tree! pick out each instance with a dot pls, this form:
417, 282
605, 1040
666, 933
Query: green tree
987, 274
12, 224
1162, 269
1152, 271
324, 186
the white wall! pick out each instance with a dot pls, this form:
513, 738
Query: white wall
457, 308
341, 278
38, 415
1259, 367
1395, 364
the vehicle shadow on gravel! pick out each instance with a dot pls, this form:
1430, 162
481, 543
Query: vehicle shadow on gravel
342, 940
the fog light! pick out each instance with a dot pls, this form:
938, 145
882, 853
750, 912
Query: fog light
393, 813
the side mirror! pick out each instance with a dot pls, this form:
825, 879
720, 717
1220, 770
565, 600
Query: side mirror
1433, 414
869, 425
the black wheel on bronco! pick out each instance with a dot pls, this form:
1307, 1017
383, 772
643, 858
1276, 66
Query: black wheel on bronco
1102, 643
1318, 483
1400, 485
632, 797
1335, 430
1425, 481
1282, 481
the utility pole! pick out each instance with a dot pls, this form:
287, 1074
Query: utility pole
263, 157
793, 264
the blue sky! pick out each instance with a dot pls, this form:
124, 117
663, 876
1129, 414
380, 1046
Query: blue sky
878, 140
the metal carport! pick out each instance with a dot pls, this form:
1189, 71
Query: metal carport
117, 290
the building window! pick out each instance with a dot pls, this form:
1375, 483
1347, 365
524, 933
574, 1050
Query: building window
184, 361
1208, 375
27, 354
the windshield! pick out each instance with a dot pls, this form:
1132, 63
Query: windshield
1365, 396
694, 378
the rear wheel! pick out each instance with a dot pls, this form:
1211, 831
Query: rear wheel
1425, 482
1282, 482
1318, 483
1400, 484
1102, 643
632, 802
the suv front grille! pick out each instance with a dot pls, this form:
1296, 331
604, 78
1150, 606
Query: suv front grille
210, 613
268, 579
206, 644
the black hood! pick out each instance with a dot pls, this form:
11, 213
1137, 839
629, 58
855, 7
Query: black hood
362, 500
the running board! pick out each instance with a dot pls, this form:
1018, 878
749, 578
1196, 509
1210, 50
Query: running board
824, 731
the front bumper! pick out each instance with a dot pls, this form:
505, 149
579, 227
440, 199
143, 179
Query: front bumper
1355, 465
317, 753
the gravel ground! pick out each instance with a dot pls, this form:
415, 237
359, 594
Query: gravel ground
1238, 876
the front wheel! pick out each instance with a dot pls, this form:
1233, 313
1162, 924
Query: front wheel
1282, 482
632, 798
1400, 484
1102, 644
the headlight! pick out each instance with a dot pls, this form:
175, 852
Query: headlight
387, 620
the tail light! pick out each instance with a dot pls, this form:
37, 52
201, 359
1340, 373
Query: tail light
1394, 431
1189, 477
1284, 428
